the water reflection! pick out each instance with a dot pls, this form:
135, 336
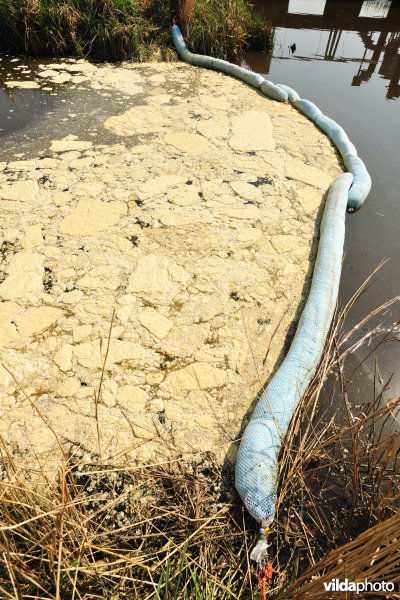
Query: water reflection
365, 33
387, 44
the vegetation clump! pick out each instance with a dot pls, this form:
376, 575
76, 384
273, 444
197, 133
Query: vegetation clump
127, 29
222, 28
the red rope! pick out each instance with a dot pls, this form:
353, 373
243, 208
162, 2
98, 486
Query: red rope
264, 577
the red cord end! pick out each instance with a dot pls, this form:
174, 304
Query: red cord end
264, 576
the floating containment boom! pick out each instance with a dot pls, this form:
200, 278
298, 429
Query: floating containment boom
257, 461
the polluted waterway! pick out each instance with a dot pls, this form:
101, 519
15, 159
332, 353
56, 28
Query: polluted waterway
345, 57
89, 226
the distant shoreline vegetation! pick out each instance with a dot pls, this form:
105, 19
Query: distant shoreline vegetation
129, 29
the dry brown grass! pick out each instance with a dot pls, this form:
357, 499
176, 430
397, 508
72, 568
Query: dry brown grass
104, 531
373, 555
187, 10
178, 531
339, 475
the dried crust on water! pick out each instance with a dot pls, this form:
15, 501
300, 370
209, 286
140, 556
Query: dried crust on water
196, 222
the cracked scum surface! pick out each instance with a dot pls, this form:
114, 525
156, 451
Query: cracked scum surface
195, 221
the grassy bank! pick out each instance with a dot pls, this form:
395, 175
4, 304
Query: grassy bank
128, 29
177, 531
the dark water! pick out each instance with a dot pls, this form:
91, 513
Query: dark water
31, 118
345, 56
20, 107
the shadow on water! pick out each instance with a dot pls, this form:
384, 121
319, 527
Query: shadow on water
344, 55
